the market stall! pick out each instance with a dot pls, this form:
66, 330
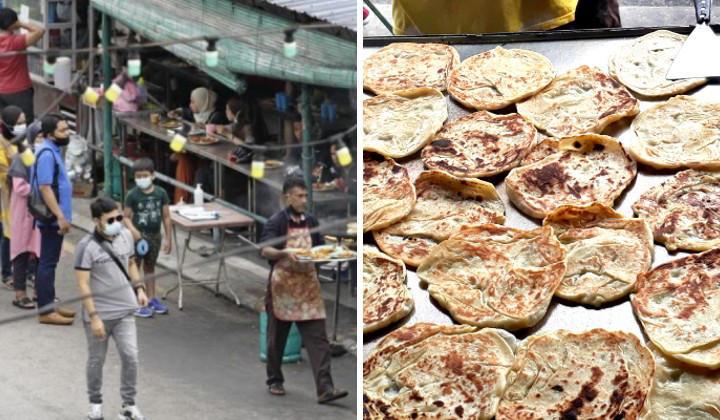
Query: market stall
566, 50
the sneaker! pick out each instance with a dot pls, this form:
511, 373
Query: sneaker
95, 412
8, 282
157, 306
144, 312
130, 412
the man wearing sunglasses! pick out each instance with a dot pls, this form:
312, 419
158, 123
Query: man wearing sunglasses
109, 280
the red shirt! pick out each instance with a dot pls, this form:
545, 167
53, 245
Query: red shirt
14, 74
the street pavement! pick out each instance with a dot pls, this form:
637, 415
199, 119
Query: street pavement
199, 363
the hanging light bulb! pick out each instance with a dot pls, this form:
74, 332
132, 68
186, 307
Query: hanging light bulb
343, 154
134, 64
212, 55
290, 46
177, 144
49, 65
27, 156
257, 167
114, 91
90, 96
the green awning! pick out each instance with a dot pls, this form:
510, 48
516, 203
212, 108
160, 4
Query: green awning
322, 59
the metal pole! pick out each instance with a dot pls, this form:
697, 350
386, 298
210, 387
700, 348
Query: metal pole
107, 107
380, 16
307, 158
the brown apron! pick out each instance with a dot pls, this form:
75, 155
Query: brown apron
294, 286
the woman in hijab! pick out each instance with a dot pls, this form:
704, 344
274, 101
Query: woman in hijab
12, 124
202, 112
25, 245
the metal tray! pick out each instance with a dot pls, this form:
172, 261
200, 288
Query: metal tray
566, 50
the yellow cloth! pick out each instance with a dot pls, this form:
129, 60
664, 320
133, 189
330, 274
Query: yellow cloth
480, 16
7, 152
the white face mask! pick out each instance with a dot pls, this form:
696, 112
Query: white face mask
143, 183
19, 130
112, 229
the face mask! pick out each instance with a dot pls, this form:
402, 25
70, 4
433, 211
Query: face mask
19, 130
62, 141
112, 229
143, 183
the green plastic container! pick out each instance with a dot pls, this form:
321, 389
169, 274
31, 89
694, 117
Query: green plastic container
292, 346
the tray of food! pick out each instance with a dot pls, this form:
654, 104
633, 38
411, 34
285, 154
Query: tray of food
541, 228
171, 124
325, 186
324, 253
273, 164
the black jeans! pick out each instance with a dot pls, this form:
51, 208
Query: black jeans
24, 265
23, 99
314, 337
50, 248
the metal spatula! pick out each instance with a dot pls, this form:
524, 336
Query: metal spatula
700, 54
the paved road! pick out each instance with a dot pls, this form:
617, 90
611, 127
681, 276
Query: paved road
199, 363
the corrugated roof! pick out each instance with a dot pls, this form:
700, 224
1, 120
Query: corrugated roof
340, 12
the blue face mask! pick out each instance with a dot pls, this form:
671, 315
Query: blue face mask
143, 183
112, 229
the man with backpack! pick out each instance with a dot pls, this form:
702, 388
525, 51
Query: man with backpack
51, 184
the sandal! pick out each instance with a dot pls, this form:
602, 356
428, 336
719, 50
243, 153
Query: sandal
24, 303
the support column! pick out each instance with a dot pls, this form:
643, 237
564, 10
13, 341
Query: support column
307, 158
107, 106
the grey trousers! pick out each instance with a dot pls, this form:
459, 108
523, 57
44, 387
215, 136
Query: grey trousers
124, 333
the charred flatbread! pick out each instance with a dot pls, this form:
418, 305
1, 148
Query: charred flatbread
495, 276
481, 144
684, 211
583, 100
437, 371
587, 169
444, 204
597, 374
497, 78
399, 125
642, 65
406, 65
386, 298
604, 252
683, 132
682, 391
678, 304
388, 193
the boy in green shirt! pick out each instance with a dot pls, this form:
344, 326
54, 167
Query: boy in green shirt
146, 210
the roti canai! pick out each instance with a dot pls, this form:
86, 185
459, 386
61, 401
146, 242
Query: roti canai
386, 297
444, 204
604, 251
399, 125
437, 371
583, 100
587, 169
495, 276
388, 193
497, 78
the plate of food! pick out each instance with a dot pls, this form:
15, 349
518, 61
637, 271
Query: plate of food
273, 164
171, 124
322, 253
203, 140
324, 186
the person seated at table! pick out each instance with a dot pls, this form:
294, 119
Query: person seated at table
146, 211
190, 170
247, 124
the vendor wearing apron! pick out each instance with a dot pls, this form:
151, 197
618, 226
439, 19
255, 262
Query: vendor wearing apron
294, 293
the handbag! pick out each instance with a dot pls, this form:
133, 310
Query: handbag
36, 205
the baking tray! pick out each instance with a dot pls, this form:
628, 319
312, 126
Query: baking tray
566, 50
